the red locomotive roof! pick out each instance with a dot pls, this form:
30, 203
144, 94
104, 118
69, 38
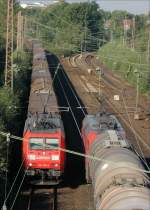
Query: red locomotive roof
101, 122
44, 123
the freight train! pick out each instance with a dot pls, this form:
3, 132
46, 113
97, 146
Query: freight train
116, 183
43, 131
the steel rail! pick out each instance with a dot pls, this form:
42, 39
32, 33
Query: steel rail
55, 203
30, 198
136, 133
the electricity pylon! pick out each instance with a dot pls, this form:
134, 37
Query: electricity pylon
9, 46
20, 31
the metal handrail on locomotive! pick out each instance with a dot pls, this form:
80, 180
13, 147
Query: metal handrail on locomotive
43, 131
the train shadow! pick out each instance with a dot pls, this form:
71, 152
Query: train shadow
75, 169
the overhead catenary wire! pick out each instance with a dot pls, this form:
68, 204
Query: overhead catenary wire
71, 24
73, 92
101, 56
144, 65
49, 27
69, 106
50, 89
125, 61
100, 159
144, 160
11, 136
129, 118
11, 208
7, 195
82, 155
109, 57
95, 38
13, 184
68, 23
99, 33
131, 127
134, 132
6, 174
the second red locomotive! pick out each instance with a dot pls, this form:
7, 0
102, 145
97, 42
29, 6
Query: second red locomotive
117, 174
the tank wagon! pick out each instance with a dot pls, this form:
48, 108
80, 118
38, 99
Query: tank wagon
117, 185
43, 131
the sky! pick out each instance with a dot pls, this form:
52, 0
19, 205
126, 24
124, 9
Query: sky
133, 6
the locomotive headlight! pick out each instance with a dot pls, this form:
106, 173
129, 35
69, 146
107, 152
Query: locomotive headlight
56, 165
55, 157
31, 157
104, 166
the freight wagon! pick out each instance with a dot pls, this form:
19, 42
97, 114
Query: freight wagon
117, 185
43, 131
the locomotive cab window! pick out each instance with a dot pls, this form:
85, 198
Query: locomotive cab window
51, 144
43, 143
36, 143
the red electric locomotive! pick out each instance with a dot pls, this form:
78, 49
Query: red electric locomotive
93, 127
116, 172
43, 132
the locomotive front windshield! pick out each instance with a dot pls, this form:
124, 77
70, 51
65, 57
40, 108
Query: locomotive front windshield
43, 143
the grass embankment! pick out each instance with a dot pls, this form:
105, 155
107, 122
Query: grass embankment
128, 63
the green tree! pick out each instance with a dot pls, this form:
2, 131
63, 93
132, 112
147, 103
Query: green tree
3, 14
116, 22
64, 27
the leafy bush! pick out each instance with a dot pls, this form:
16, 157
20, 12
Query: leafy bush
125, 61
2, 148
9, 104
62, 27
12, 115
22, 70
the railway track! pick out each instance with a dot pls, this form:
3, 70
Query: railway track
86, 86
111, 80
139, 131
114, 81
74, 194
30, 199
37, 198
